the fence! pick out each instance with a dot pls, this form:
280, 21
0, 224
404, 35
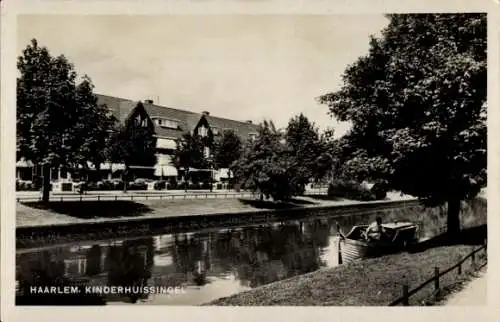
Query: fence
134, 196
404, 300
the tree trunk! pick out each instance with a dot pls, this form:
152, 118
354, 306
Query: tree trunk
124, 178
453, 220
45, 182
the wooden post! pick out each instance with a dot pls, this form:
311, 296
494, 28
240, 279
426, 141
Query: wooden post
436, 278
459, 267
406, 301
473, 259
340, 253
98, 198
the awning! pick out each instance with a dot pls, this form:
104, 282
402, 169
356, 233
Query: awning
166, 144
222, 174
24, 164
165, 171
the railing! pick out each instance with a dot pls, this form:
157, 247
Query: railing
404, 300
137, 196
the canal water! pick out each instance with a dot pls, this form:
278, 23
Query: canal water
198, 267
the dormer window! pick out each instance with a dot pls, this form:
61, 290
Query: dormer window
171, 124
215, 130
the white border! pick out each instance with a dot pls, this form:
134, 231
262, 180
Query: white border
134, 313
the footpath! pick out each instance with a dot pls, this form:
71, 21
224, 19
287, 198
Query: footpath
473, 294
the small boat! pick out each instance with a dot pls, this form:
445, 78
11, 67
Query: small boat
398, 236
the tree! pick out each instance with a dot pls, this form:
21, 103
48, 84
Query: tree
92, 139
227, 149
133, 144
417, 104
50, 107
310, 149
267, 165
189, 154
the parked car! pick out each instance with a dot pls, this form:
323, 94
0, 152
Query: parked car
160, 185
138, 184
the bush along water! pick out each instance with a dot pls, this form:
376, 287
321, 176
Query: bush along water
356, 191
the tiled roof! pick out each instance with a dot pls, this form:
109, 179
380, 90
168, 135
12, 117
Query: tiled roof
120, 107
187, 120
242, 129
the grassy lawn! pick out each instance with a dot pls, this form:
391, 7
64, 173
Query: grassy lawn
36, 213
373, 282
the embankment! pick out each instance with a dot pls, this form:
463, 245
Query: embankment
32, 236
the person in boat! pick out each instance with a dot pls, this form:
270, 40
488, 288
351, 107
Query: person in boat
375, 232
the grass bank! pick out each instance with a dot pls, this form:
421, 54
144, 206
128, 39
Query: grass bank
36, 213
373, 282
70, 212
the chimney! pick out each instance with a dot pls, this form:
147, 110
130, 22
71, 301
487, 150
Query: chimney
148, 101
249, 121
206, 113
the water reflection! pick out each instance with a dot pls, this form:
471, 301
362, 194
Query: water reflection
208, 265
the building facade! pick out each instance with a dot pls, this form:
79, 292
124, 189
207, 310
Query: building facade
169, 125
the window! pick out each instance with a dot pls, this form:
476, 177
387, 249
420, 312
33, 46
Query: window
252, 136
215, 130
202, 131
171, 124
206, 152
144, 123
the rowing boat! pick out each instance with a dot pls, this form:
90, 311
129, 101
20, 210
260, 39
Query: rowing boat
398, 236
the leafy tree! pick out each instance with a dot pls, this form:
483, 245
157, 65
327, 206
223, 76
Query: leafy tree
227, 149
267, 165
132, 144
50, 107
92, 139
310, 149
189, 154
417, 104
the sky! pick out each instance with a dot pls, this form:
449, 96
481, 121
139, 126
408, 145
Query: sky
242, 67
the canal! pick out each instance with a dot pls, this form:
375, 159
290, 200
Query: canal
206, 265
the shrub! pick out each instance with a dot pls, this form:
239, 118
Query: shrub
91, 186
349, 190
117, 184
379, 190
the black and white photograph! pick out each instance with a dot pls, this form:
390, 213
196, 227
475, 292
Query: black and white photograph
330, 160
